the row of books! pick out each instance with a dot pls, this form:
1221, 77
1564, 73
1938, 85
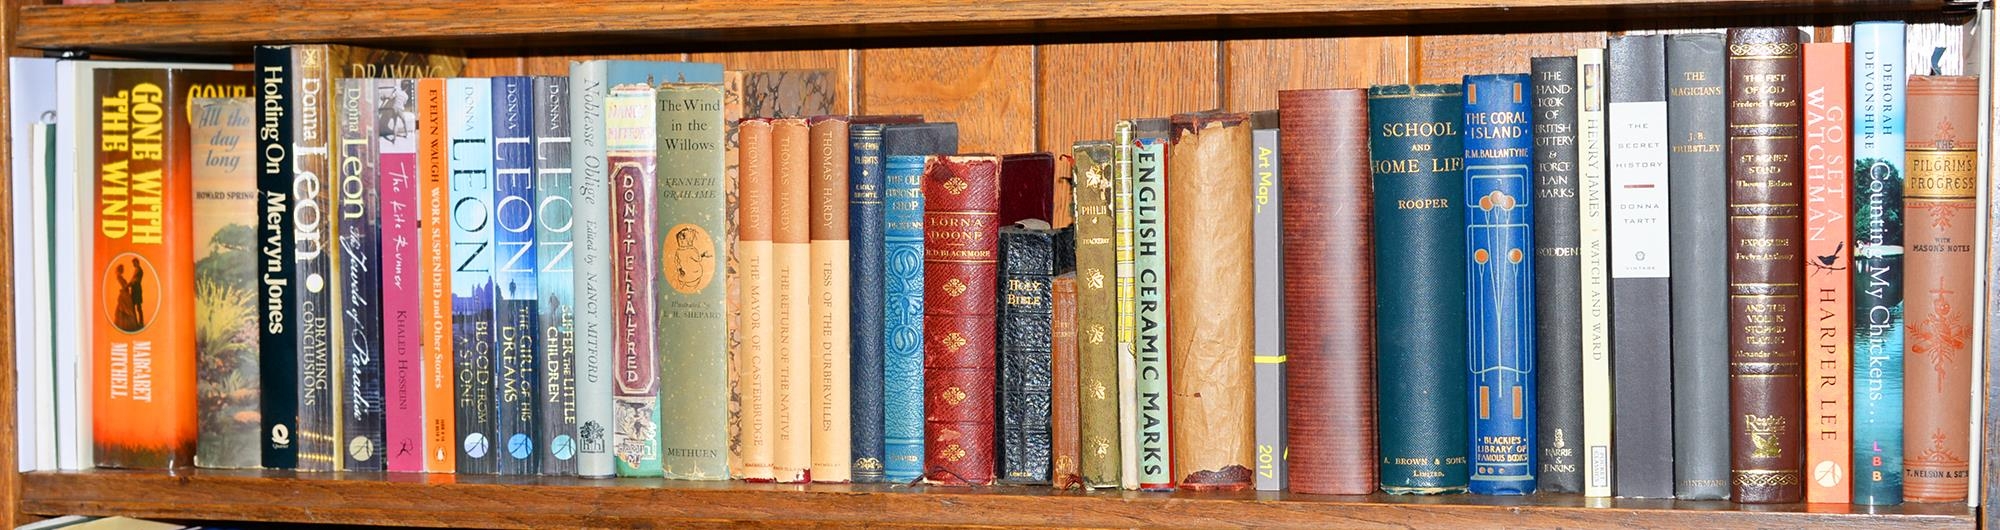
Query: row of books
643, 283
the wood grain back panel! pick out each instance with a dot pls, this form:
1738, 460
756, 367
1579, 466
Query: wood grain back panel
1085, 88
1258, 69
988, 90
1449, 58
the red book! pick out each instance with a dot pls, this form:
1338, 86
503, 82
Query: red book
1829, 438
961, 271
1940, 233
1328, 292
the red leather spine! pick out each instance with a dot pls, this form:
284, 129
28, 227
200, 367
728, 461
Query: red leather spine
961, 274
1329, 291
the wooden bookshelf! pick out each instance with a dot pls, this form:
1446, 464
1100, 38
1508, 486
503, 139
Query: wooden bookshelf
229, 27
1017, 75
540, 502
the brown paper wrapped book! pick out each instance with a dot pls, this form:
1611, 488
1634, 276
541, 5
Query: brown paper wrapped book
1211, 345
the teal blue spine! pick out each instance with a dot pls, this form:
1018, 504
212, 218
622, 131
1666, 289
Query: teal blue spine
1416, 155
903, 318
1878, 109
1500, 272
470, 131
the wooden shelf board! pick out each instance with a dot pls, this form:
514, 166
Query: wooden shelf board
548, 502
228, 27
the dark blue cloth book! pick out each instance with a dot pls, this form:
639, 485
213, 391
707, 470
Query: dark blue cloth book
864, 226
1500, 288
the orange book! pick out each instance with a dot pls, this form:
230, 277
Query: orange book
433, 168
1828, 285
143, 339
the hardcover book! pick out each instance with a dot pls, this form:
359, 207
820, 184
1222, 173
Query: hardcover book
1697, 179
690, 307
1593, 212
1939, 193
1096, 314
754, 363
1065, 430
865, 340
1766, 238
1126, 289
1153, 404
961, 208
555, 277
1641, 359
791, 219
1328, 291
397, 178
1416, 158
904, 148
358, 374
732, 274
297, 82
1558, 289
1878, 262
832, 436
515, 300
469, 103
1499, 238
144, 344
1209, 214
596, 305
1026, 187
434, 172
225, 287
630, 152
1030, 256
1828, 289
1273, 453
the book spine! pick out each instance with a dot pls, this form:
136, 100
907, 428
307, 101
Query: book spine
1941, 190
515, 288
1418, 174
278, 329
1828, 289
832, 395
1558, 295
596, 350
791, 185
471, 135
690, 210
314, 250
903, 318
732, 275
1126, 289
1697, 171
395, 102
440, 375
1096, 314
1594, 267
754, 371
629, 147
1149, 276
1327, 320
1209, 214
1640, 267
1028, 262
1766, 236
555, 276
360, 294
864, 230
1065, 429
226, 338
1273, 466
1499, 216
1878, 262
961, 224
